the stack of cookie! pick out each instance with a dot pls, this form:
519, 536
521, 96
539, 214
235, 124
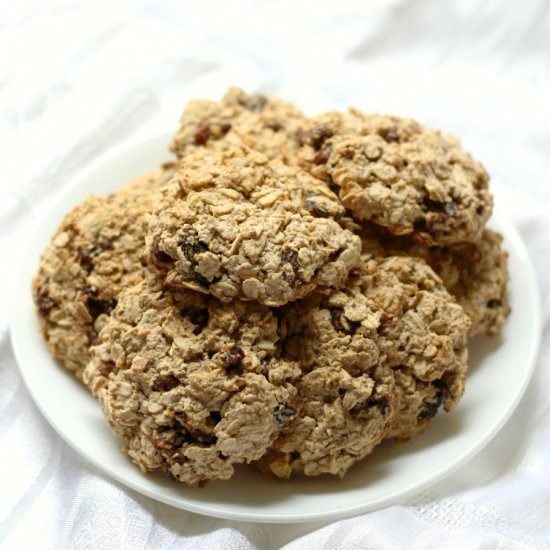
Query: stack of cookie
288, 293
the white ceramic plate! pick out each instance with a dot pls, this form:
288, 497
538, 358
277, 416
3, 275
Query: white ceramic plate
391, 473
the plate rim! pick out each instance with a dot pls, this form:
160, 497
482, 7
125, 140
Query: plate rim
503, 222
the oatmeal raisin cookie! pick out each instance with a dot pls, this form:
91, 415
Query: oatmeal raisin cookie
182, 378
238, 226
265, 124
395, 173
96, 251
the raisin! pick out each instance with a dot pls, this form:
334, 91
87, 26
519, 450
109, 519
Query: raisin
341, 323
189, 434
420, 225
445, 208
201, 279
197, 316
323, 155
334, 255
441, 385
430, 407
329, 398
291, 257
97, 307
203, 134
215, 416
390, 135
232, 359
283, 414
180, 438
332, 186
43, 302
169, 438
493, 303
318, 135
210, 130
192, 246
314, 209
84, 258
381, 404
103, 245
294, 455
178, 458
165, 383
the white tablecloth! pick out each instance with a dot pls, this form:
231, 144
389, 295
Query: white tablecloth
77, 78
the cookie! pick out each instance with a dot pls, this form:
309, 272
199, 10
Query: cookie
345, 390
239, 226
423, 334
265, 124
182, 378
396, 173
96, 251
476, 274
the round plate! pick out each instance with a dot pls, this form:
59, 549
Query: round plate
393, 471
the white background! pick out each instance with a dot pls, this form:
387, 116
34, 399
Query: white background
78, 78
